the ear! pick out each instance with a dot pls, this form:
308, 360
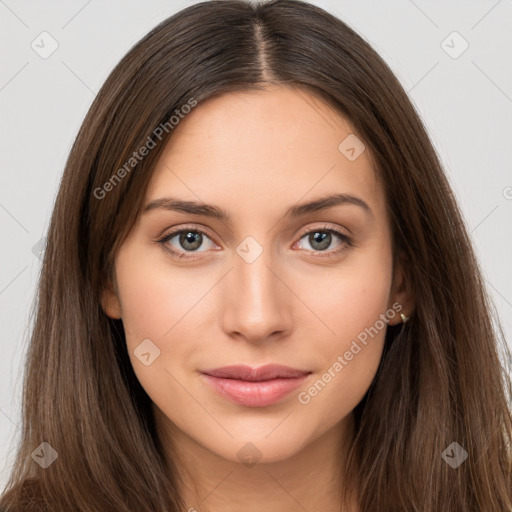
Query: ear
401, 291
110, 302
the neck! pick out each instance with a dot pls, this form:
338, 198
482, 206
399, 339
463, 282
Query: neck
311, 479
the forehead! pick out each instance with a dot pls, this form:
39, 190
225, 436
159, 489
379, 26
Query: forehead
259, 151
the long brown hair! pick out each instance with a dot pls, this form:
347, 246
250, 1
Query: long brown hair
440, 379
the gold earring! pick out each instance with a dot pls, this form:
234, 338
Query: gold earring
404, 318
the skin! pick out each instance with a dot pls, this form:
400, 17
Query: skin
255, 154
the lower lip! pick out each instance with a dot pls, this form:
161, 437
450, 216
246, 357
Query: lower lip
254, 394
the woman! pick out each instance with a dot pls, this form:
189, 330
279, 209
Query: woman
258, 291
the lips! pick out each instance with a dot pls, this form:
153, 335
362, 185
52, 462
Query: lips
255, 387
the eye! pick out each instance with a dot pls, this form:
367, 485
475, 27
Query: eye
187, 239
320, 239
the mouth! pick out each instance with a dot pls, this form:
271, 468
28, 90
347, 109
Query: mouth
255, 387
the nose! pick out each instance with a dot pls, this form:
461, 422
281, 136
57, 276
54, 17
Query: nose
257, 301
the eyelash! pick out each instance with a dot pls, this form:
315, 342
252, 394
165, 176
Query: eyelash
346, 241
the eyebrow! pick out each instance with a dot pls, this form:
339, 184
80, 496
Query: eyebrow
298, 210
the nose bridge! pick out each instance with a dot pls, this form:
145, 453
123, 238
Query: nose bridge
256, 305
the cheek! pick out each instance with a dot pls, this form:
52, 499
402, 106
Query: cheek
155, 302
352, 310
349, 298
168, 306
154, 297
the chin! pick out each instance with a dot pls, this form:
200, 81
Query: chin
262, 449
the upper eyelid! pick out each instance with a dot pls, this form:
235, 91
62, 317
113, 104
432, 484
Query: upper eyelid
173, 232
324, 227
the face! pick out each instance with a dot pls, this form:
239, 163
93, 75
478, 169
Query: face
262, 281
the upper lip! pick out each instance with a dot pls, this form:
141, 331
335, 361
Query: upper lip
266, 372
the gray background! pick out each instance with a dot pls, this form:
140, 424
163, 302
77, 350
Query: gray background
466, 103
